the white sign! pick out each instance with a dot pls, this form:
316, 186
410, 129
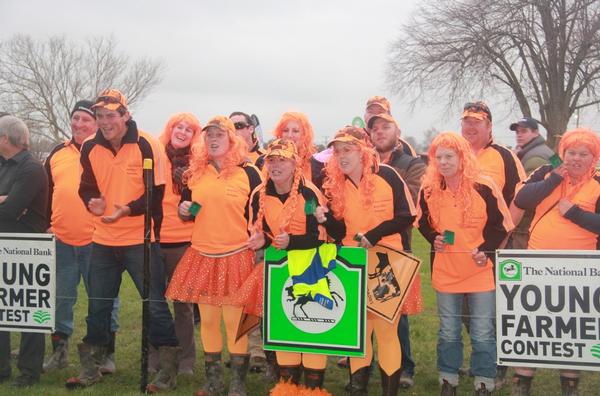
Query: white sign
27, 282
548, 308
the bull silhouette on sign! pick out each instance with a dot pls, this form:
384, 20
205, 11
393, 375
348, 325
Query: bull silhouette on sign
387, 284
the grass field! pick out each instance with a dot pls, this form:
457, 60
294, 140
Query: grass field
126, 381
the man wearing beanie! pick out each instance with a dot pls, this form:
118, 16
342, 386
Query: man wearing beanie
73, 226
112, 188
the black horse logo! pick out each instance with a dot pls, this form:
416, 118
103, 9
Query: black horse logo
387, 284
301, 300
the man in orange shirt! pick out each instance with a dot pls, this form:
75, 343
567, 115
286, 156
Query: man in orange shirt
113, 189
73, 226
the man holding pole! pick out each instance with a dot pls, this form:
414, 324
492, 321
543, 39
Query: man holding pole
112, 188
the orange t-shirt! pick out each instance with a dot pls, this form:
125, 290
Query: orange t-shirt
503, 166
173, 229
70, 220
550, 229
221, 225
118, 177
302, 227
391, 201
488, 223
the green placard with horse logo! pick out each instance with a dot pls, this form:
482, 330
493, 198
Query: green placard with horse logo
312, 323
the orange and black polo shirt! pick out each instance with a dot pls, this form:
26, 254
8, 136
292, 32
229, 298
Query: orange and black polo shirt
173, 229
503, 166
118, 177
453, 270
69, 218
305, 232
578, 229
221, 225
391, 213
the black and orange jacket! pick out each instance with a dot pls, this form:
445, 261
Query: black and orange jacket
488, 223
391, 214
173, 229
503, 166
118, 177
304, 230
221, 225
578, 229
69, 218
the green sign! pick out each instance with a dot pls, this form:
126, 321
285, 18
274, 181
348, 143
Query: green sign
300, 324
510, 270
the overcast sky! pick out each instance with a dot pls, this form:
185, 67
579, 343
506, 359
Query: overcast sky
324, 58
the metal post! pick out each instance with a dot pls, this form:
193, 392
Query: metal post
148, 182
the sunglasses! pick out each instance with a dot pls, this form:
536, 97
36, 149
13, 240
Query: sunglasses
478, 107
241, 125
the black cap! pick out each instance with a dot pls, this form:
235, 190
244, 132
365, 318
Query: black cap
84, 105
524, 122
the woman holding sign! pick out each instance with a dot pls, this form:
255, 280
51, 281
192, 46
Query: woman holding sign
368, 203
211, 271
284, 206
566, 200
464, 217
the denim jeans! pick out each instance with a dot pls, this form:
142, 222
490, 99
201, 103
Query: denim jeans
482, 310
106, 269
73, 264
408, 364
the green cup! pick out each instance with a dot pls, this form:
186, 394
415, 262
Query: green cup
449, 237
195, 208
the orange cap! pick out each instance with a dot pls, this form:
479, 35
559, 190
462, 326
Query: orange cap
111, 99
351, 134
478, 110
380, 101
281, 148
221, 122
383, 116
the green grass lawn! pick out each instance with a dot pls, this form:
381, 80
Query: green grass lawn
126, 381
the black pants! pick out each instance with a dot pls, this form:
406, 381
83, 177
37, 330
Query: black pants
31, 354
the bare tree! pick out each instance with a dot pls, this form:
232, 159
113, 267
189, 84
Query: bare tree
41, 80
545, 53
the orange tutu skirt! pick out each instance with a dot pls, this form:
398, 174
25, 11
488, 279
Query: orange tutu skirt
251, 293
210, 280
414, 301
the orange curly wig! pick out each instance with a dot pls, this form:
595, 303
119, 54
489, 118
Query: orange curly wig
189, 118
291, 202
335, 179
578, 137
236, 154
306, 147
434, 183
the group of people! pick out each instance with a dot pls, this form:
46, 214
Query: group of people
218, 200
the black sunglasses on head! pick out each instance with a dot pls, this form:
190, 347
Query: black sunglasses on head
241, 125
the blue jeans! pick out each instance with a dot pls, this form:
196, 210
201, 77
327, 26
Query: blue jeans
106, 269
408, 364
73, 264
482, 311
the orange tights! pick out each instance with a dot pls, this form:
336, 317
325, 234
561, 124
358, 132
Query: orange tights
389, 352
308, 360
210, 328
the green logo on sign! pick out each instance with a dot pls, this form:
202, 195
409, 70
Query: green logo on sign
41, 316
596, 351
510, 270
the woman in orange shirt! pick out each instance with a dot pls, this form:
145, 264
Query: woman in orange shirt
180, 133
296, 127
566, 201
368, 203
210, 273
464, 217
279, 204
